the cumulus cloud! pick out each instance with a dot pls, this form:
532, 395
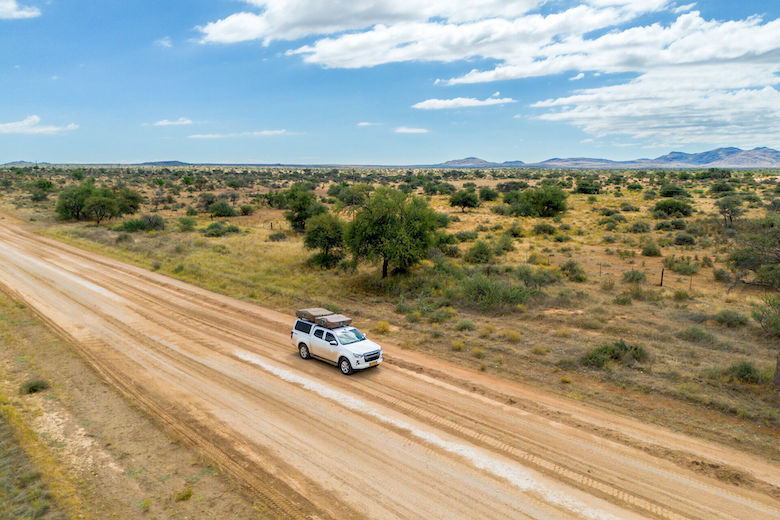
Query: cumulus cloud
182, 121
460, 102
164, 42
522, 40
32, 126
10, 9
258, 133
408, 130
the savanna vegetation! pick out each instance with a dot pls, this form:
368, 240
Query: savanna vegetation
629, 288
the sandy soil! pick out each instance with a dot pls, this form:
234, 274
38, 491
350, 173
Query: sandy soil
415, 438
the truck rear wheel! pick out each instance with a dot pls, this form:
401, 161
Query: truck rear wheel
345, 366
303, 350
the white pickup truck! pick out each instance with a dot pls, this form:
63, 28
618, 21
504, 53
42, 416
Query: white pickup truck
321, 334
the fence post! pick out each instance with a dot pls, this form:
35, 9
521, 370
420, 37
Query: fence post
662, 277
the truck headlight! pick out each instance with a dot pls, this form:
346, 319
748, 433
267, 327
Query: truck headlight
359, 356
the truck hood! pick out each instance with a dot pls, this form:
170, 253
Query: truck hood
363, 347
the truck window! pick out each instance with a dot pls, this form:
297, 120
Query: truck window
303, 326
318, 333
330, 337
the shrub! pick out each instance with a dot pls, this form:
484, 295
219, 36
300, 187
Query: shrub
381, 327
183, 496
457, 345
670, 190
681, 295
574, 271
187, 224
479, 253
465, 325
489, 293
466, 236
683, 265
697, 335
640, 227
607, 284
721, 275
277, 237
124, 237
441, 315
684, 239
145, 223
672, 208
218, 229
246, 209
487, 194
618, 351
768, 315
221, 208
731, 319
650, 248
745, 372
544, 228
34, 386
634, 276
623, 299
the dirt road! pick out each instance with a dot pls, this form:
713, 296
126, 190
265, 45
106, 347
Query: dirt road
416, 438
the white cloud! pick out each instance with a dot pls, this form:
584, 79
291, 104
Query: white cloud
10, 9
407, 130
259, 133
367, 123
590, 37
460, 102
164, 42
31, 126
178, 122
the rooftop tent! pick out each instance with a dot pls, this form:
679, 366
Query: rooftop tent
312, 314
333, 321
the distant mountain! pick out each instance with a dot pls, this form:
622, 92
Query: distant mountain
718, 158
468, 162
165, 163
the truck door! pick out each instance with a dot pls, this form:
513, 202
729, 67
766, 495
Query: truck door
332, 351
317, 346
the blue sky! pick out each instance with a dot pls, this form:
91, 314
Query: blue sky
384, 81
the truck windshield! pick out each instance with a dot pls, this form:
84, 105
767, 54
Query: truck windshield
348, 336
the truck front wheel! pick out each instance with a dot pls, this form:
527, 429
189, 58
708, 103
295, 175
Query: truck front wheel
303, 350
345, 366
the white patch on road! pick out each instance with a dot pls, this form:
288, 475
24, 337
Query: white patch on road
510, 472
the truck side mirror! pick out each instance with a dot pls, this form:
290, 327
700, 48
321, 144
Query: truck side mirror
334, 342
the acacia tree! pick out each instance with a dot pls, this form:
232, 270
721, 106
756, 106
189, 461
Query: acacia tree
302, 204
730, 207
100, 207
464, 199
394, 228
326, 233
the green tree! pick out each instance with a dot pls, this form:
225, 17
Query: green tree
486, 194
326, 233
128, 202
464, 199
393, 228
758, 249
221, 208
70, 204
730, 207
302, 204
100, 207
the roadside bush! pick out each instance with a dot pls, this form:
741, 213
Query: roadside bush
277, 237
144, 223
246, 209
634, 276
492, 294
618, 351
33, 386
731, 319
